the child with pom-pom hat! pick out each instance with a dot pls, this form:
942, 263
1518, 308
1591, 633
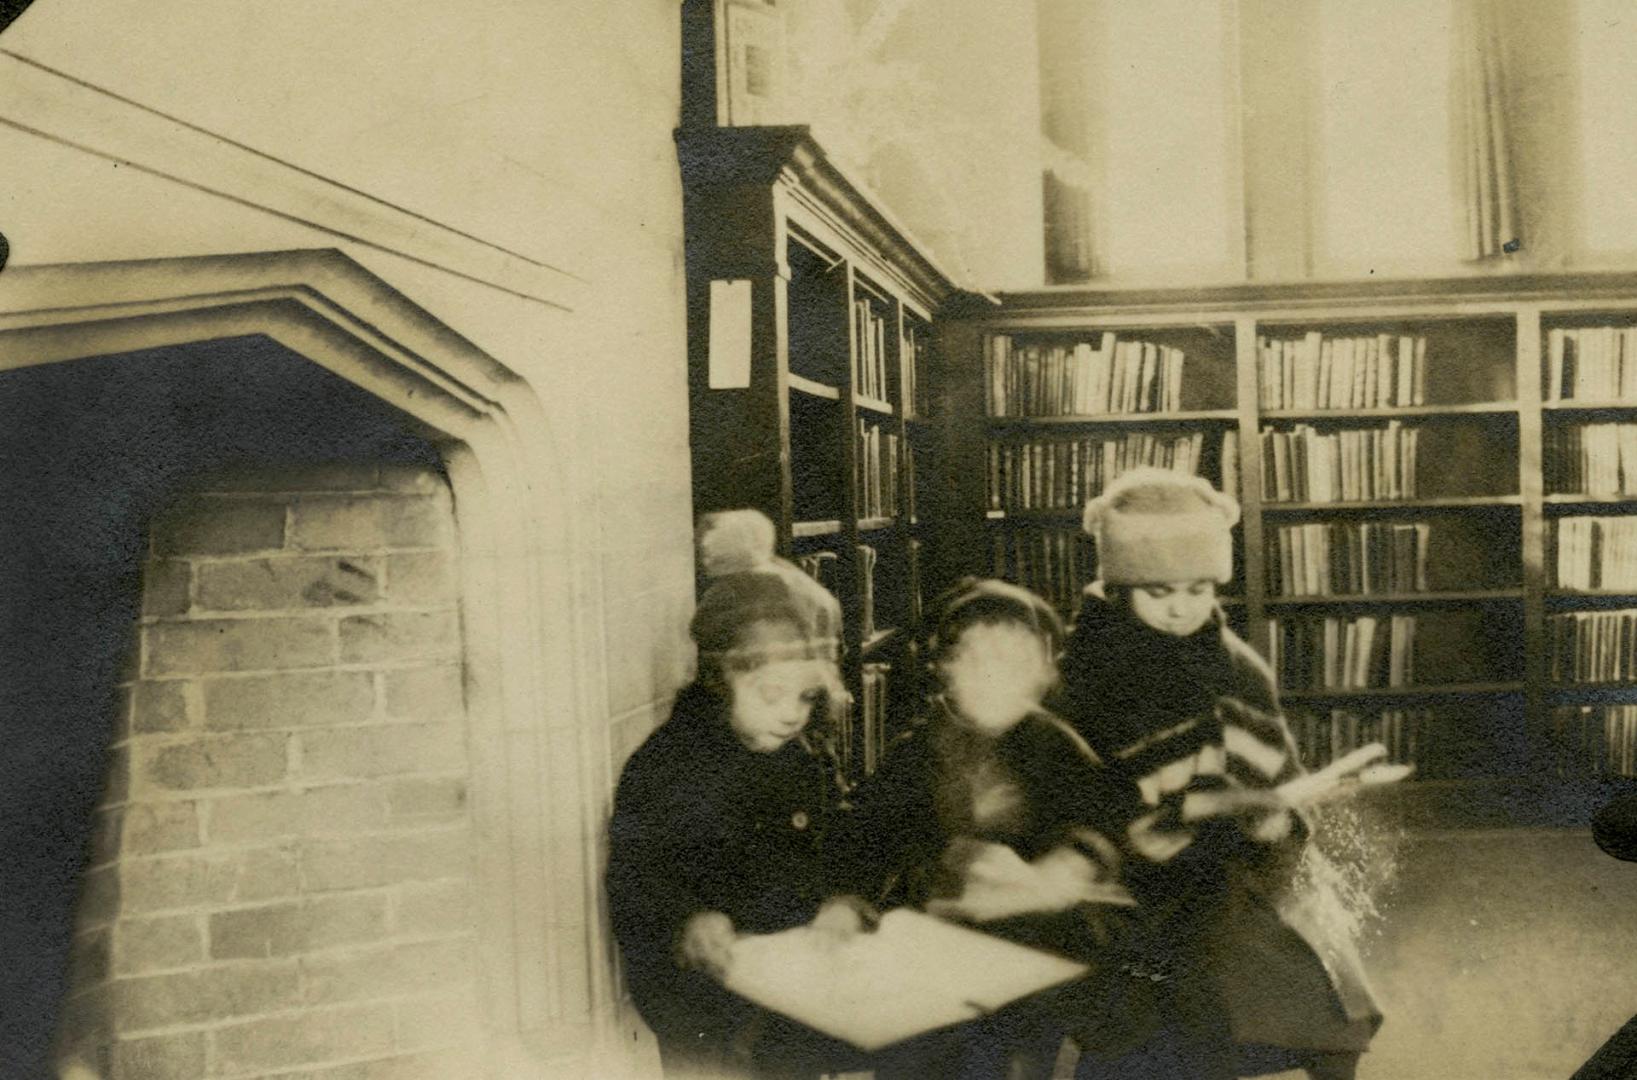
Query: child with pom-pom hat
720, 816
1170, 697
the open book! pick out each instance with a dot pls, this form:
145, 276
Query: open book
914, 974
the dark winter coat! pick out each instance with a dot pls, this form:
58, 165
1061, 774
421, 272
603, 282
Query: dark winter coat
1221, 911
1036, 788
702, 824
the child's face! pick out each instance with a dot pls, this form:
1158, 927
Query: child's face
995, 675
1174, 607
773, 701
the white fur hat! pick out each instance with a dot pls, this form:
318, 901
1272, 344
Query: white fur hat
1156, 525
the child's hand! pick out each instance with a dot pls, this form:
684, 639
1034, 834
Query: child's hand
844, 916
707, 943
999, 884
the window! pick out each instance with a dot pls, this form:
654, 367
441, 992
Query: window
1606, 55
1385, 194
1171, 198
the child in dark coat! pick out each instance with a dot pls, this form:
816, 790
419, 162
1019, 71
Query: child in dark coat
987, 811
720, 818
1235, 979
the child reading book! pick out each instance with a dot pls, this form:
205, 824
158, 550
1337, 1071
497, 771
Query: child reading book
1173, 700
986, 812
720, 816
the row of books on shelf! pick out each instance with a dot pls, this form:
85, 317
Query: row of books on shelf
1081, 379
1597, 553
1305, 465
1591, 459
869, 351
1051, 562
876, 465
1341, 653
1057, 474
1593, 363
1361, 372
1596, 740
1593, 646
872, 709
912, 349
1323, 736
821, 567
1348, 558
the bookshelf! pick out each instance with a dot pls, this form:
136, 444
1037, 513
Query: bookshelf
1439, 484
826, 417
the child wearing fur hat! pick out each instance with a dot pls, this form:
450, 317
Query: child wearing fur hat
1176, 702
987, 812
720, 816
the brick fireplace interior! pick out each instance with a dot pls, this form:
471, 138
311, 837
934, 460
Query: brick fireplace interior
241, 767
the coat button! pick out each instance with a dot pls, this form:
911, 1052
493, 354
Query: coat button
799, 819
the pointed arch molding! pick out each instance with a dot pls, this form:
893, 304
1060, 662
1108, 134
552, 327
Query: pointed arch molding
535, 710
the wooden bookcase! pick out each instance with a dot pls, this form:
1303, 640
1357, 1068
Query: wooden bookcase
828, 423
1471, 670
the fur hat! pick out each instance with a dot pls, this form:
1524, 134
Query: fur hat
1154, 525
749, 584
971, 601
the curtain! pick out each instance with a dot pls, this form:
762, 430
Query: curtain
1487, 199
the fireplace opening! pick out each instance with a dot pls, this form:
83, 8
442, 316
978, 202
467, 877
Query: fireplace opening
234, 732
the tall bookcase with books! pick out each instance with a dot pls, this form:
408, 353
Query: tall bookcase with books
1438, 549
811, 317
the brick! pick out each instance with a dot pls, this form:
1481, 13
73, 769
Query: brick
418, 800
421, 579
314, 812
428, 693
165, 586
381, 750
415, 479
101, 891
220, 526
304, 699
215, 761
210, 645
105, 827
266, 874
430, 1023
306, 1038
162, 882
323, 476
89, 958
145, 1002
296, 927
153, 828
166, 941
163, 1057
319, 581
158, 706
440, 1065
130, 657
116, 783
398, 635
367, 523
387, 971
384, 860
442, 907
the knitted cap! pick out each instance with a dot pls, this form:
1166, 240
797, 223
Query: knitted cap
971, 601
1156, 525
749, 584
